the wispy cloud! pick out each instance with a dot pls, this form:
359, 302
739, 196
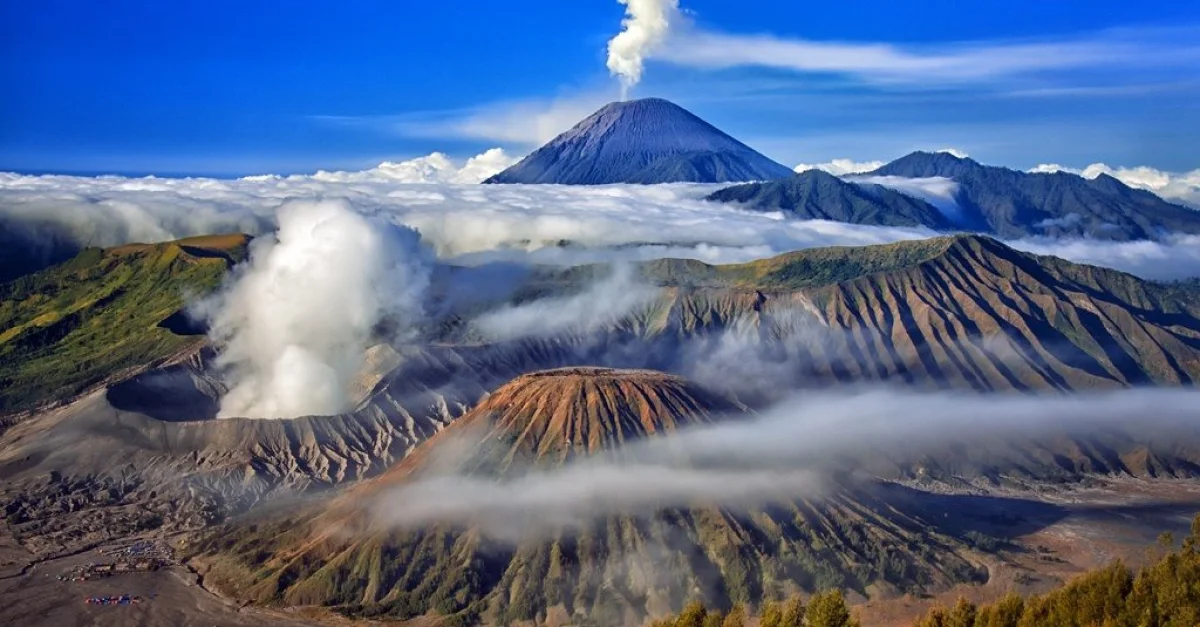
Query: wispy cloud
524, 123
952, 63
841, 166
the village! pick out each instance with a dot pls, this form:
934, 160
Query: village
141, 556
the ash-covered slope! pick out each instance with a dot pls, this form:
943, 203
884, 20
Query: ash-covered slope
614, 568
642, 141
957, 311
817, 195
1010, 203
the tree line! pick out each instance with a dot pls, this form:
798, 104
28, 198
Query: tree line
1163, 593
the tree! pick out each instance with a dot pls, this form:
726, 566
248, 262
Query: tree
963, 614
693, 615
1005, 613
736, 617
714, 619
828, 609
771, 615
793, 613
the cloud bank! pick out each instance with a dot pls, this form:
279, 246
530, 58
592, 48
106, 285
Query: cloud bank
473, 224
293, 325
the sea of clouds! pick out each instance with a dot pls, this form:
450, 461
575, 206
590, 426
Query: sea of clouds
461, 220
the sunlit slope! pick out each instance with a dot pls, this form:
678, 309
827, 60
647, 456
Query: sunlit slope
957, 311
643, 141
77, 324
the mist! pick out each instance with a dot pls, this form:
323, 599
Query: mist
803, 448
603, 303
293, 324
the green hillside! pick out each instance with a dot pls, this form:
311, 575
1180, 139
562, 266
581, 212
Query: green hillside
69, 327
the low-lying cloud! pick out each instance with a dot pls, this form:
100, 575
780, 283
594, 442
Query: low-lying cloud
785, 452
548, 224
602, 304
938, 191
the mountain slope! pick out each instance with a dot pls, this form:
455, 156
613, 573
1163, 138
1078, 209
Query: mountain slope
1010, 203
959, 311
71, 326
642, 141
817, 195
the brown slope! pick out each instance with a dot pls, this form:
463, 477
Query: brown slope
614, 569
960, 311
984, 316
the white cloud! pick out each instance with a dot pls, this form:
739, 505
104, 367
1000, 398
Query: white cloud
938, 191
882, 62
839, 167
483, 222
528, 122
1181, 187
955, 152
603, 303
786, 452
434, 168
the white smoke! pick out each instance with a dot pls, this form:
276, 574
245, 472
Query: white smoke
645, 28
294, 323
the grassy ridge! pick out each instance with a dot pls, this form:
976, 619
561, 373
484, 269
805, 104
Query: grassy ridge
69, 327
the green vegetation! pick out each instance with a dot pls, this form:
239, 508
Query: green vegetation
1165, 593
72, 326
814, 267
824, 609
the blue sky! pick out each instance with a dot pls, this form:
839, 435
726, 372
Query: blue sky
231, 88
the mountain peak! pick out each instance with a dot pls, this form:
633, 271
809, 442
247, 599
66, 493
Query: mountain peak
922, 164
650, 140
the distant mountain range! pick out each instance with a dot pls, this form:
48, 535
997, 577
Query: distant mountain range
656, 141
818, 195
995, 200
642, 141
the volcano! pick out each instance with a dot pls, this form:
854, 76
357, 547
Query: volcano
613, 567
642, 141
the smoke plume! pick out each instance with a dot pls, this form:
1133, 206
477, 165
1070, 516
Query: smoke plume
294, 323
644, 28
